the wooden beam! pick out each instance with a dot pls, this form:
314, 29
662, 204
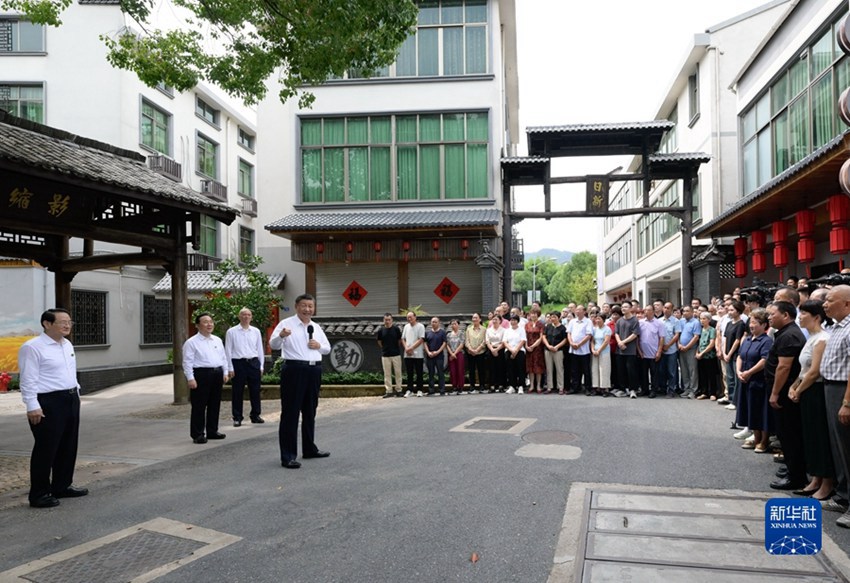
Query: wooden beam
112, 260
673, 210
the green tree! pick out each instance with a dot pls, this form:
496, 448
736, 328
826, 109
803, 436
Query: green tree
237, 286
575, 280
526, 280
302, 42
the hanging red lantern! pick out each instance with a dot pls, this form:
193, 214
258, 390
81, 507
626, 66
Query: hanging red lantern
805, 222
349, 249
839, 208
405, 247
741, 257
805, 230
759, 262
377, 247
839, 236
780, 240
464, 244
435, 245
320, 250
759, 243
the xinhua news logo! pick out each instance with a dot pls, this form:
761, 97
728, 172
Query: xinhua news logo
792, 526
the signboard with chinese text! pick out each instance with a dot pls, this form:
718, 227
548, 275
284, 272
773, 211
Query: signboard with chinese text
346, 356
597, 195
446, 290
354, 293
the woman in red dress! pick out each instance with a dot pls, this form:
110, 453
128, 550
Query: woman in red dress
534, 361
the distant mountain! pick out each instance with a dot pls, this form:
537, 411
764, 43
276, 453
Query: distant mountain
560, 256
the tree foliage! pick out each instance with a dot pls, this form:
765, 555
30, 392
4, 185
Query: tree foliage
527, 280
240, 286
575, 281
304, 42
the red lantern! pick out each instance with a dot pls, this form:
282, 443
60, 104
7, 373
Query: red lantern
435, 245
805, 222
405, 247
740, 268
741, 257
349, 249
320, 250
464, 244
839, 240
839, 208
759, 240
806, 245
780, 239
839, 235
759, 262
377, 247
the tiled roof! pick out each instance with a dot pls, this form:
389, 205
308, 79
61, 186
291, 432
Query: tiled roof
342, 328
525, 160
602, 127
35, 145
385, 220
800, 166
680, 157
202, 281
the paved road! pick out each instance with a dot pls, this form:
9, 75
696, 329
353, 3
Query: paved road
403, 497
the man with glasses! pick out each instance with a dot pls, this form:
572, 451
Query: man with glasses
49, 389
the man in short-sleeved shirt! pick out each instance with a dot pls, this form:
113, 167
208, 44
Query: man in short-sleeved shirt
389, 339
669, 365
412, 341
649, 350
627, 334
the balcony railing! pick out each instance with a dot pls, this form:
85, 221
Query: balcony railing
517, 255
201, 262
249, 207
166, 166
214, 189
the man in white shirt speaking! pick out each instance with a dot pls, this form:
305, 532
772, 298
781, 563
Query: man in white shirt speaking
49, 389
244, 348
302, 343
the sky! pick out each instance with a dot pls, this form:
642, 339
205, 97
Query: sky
597, 62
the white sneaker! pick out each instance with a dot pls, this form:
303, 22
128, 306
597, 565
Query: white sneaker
844, 520
743, 434
510, 391
618, 393
408, 394
632, 395
465, 392
474, 392
419, 393
520, 391
730, 406
723, 401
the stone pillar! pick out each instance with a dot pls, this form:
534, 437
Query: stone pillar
706, 270
491, 268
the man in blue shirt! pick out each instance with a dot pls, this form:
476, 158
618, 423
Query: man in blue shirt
688, 342
669, 365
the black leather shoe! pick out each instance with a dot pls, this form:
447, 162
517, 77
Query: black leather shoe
257, 419
291, 464
782, 472
200, 439
216, 436
317, 454
46, 501
786, 484
71, 492
651, 394
237, 423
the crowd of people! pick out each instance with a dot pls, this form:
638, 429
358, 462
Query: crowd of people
781, 363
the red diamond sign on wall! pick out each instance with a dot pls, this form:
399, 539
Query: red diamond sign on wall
354, 293
447, 290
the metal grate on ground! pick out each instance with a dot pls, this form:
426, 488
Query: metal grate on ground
504, 425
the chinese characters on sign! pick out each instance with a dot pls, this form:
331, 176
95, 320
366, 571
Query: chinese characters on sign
354, 293
446, 290
597, 195
346, 356
792, 526
23, 199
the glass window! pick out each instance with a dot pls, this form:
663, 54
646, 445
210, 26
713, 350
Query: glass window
88, 308
693, 94
436, 156
245, 140
207, 152
246, 243
781, 154
822, 53
155, 127
209, 236
779, 93
798, 77
798, 126
25, 101
823, 111
246, 179
21, 36
206, 111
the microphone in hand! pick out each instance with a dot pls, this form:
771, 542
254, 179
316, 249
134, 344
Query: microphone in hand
310, 332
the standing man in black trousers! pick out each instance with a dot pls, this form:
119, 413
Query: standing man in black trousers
302, 344
206, 368
51, 394
244, 348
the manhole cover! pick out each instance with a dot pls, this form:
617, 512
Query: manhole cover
122, 560
550, 437
493, 424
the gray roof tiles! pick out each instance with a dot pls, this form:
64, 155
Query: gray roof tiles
601, 127
385, 220
202, 281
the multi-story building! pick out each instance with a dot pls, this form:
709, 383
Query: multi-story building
793, 212
388, 190
642, 254
202, 139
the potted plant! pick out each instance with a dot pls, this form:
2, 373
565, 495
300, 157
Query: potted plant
5, 379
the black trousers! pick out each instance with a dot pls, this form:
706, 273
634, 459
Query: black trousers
649, 378
246, 371
615, 371
436, 372
515, 369
476, 368
789, 428
414, 366
55, 449
496, 379
206, 401
628, 371
581, 370
299, 395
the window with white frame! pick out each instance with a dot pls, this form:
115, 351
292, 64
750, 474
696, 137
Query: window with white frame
207, 156
155, 128
206, 112
450, 39
25, 101
394, 158
245, 139
693, 96
20, 36
245, 186
656, 228
246, 242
